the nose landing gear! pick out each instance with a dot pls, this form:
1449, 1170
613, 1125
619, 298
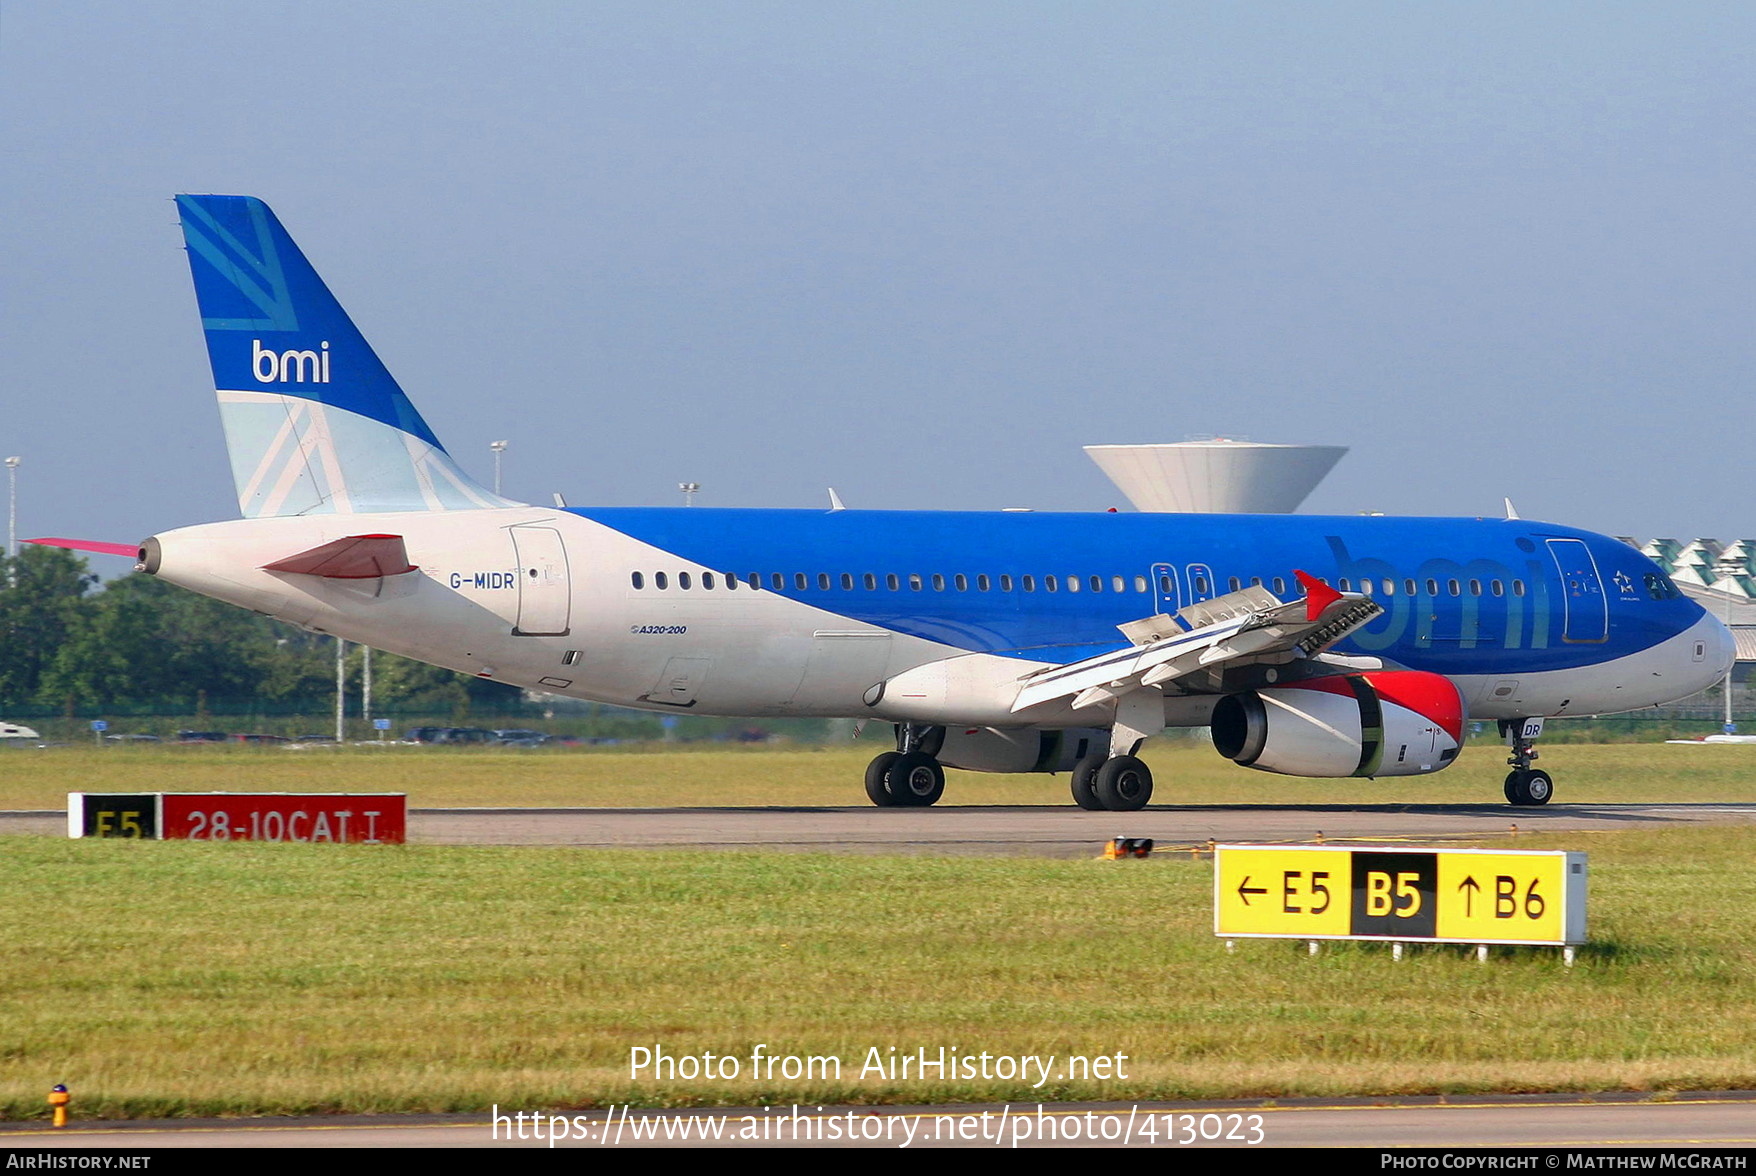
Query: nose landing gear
1525, 785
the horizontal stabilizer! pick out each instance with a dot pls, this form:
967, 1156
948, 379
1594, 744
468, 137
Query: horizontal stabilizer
358, 557
1237, 628
131, 550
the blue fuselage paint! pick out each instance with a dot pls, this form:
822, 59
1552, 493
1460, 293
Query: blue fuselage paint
1461, 596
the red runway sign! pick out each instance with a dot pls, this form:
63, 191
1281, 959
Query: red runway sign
361, 818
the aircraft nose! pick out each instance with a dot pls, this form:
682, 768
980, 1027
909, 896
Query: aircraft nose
1710, 648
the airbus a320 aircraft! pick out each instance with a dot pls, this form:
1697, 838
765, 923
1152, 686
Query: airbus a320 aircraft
1010, 642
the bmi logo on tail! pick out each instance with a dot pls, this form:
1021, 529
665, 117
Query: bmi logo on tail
269, 366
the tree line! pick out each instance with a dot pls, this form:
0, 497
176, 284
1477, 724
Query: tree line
70, 645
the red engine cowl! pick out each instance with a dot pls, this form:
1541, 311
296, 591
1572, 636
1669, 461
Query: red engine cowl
1389, 723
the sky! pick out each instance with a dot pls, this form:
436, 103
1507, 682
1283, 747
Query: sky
920, 252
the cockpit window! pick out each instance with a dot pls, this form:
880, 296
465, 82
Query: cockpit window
1661, 587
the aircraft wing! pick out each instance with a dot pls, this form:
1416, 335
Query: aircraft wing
1237, 628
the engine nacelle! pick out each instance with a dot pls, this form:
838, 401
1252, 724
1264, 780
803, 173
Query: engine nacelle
1387, 723
985, 749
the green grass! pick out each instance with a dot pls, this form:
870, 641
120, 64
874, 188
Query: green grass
185, 978
657, 776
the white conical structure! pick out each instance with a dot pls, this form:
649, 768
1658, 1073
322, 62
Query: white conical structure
1216, 477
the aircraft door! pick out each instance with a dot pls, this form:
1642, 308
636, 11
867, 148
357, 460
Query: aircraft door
545, 595
1587, 610
1199, 577
1164, 587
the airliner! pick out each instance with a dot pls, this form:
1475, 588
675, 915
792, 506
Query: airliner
993, 642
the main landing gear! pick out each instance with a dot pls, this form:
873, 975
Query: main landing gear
1525, 785
1119, 784
912, 776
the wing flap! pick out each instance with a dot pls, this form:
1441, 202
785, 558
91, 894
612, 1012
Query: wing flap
1245, 626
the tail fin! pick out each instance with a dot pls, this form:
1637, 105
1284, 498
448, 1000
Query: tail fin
314, 422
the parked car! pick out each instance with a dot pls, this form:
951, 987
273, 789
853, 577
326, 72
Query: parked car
520, 737
201, 737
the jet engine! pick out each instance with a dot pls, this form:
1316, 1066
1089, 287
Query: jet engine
1389, 723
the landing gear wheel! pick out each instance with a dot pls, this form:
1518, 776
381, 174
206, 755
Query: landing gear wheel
1531, 787
877, 779
1084, 777
915, 779
1123, 784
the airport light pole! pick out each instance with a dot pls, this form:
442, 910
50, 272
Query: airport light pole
499, 447
690, 490
341, 697
12, 464
1729, 570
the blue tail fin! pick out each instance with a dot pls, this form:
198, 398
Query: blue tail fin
313, 421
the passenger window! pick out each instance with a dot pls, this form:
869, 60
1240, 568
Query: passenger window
892, 583
1432, 587
871, 582
707, 580
847, 582
1518, 587
981, 583
731, 583
1390, 587
1451, 587
1050, 584
1201, 585
823, 581
1497, 588
659, 582
1280, 586
1005, 583
779, 581
914, 581
640, 580
962, 582
1475, 587
754, 579
1343, 584
1140, 583
938, 582
1073, 583
683, 580
1235, 583
1117, 584
1030, 584
1097, 583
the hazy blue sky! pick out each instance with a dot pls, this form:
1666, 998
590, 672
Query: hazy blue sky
920, 252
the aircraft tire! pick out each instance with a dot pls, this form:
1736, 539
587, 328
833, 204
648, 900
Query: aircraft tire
1084, 794
1526, 788
1123, 784
915, 779
878, 779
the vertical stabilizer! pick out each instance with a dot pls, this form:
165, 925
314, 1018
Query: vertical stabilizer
313, 421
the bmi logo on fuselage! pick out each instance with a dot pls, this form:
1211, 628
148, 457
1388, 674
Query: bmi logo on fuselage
292, 366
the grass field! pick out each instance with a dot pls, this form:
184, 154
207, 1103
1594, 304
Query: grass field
187, 978
657, 776
182, 978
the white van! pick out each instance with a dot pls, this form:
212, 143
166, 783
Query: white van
14, 731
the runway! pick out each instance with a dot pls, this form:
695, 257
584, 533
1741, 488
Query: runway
1042, 831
